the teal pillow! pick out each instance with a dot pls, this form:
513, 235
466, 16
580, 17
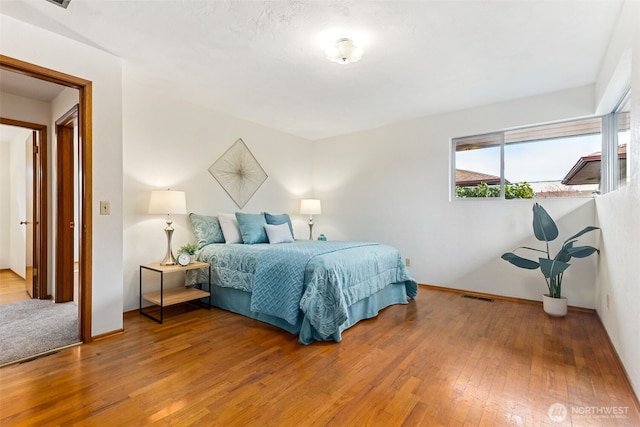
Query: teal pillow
206, 229
279, 219
252, 228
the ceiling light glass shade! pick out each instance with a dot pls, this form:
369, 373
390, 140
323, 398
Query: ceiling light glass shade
344, 51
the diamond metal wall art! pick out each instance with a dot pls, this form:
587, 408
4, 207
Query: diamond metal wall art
238, 172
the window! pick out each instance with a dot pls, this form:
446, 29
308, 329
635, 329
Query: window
555, 160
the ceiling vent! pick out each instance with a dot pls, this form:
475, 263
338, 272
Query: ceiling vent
61, 3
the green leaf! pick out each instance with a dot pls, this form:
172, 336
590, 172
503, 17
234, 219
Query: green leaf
585, 230
544, 228
564, 254
519, 261
582, 251
552, 267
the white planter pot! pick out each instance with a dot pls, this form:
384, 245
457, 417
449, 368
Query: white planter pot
556, 307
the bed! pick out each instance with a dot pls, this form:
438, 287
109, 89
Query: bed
314, 289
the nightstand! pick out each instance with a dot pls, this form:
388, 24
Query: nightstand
171, 296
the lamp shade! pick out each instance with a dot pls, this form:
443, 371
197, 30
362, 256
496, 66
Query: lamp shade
310, 206
167, 202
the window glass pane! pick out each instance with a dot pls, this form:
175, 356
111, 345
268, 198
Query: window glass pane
477, 163
624, 136
559, 160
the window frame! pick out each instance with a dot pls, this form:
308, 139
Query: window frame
612, 178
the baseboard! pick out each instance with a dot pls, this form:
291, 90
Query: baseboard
498, 297
131, 313
107, 334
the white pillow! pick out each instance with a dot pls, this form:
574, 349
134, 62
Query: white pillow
230, 229
280, 233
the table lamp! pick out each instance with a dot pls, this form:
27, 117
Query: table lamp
168, 202
310, 207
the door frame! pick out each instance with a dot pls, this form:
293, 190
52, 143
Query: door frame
40, 206
65, 195
85, 134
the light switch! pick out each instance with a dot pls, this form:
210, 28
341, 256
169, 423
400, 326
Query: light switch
105, 207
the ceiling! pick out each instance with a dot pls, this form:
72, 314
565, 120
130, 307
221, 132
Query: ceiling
264, 60
21, 85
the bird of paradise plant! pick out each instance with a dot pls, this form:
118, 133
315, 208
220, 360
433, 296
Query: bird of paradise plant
553, 268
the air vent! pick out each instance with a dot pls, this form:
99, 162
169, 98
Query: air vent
477, 297
61, 3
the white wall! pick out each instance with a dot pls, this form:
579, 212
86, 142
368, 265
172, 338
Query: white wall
18, 204
618, 290
37, 46
392, 185
14, 204
170, 143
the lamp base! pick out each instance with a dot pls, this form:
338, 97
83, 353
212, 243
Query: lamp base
169, 258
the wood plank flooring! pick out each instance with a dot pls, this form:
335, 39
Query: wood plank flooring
442, 360
12, 287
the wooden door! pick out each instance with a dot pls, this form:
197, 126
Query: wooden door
29, 147
65, 224
39, 223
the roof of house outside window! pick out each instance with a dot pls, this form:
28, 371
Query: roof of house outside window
587, 168
467, 178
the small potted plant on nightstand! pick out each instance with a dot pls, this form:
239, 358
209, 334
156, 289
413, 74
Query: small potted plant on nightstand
190, 249
552, 269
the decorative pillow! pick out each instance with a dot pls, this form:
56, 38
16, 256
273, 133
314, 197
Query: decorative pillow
279, 219
252, 228
206, 229
278, 233
230, 228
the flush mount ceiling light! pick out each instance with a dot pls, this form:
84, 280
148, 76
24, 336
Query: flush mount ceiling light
344, 51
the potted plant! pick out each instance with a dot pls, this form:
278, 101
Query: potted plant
189, 248
552, 268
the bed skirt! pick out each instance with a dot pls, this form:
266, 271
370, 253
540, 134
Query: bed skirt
239, 302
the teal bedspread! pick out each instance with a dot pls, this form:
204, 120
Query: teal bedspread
317, 280
279, 278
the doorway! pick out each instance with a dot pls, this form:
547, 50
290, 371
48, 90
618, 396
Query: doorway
84, 222
24, 227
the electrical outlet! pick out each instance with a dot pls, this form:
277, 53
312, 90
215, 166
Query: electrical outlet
407, 262
607, 301
105, 208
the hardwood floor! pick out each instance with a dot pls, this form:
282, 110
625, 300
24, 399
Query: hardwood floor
441, 360
12, 287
